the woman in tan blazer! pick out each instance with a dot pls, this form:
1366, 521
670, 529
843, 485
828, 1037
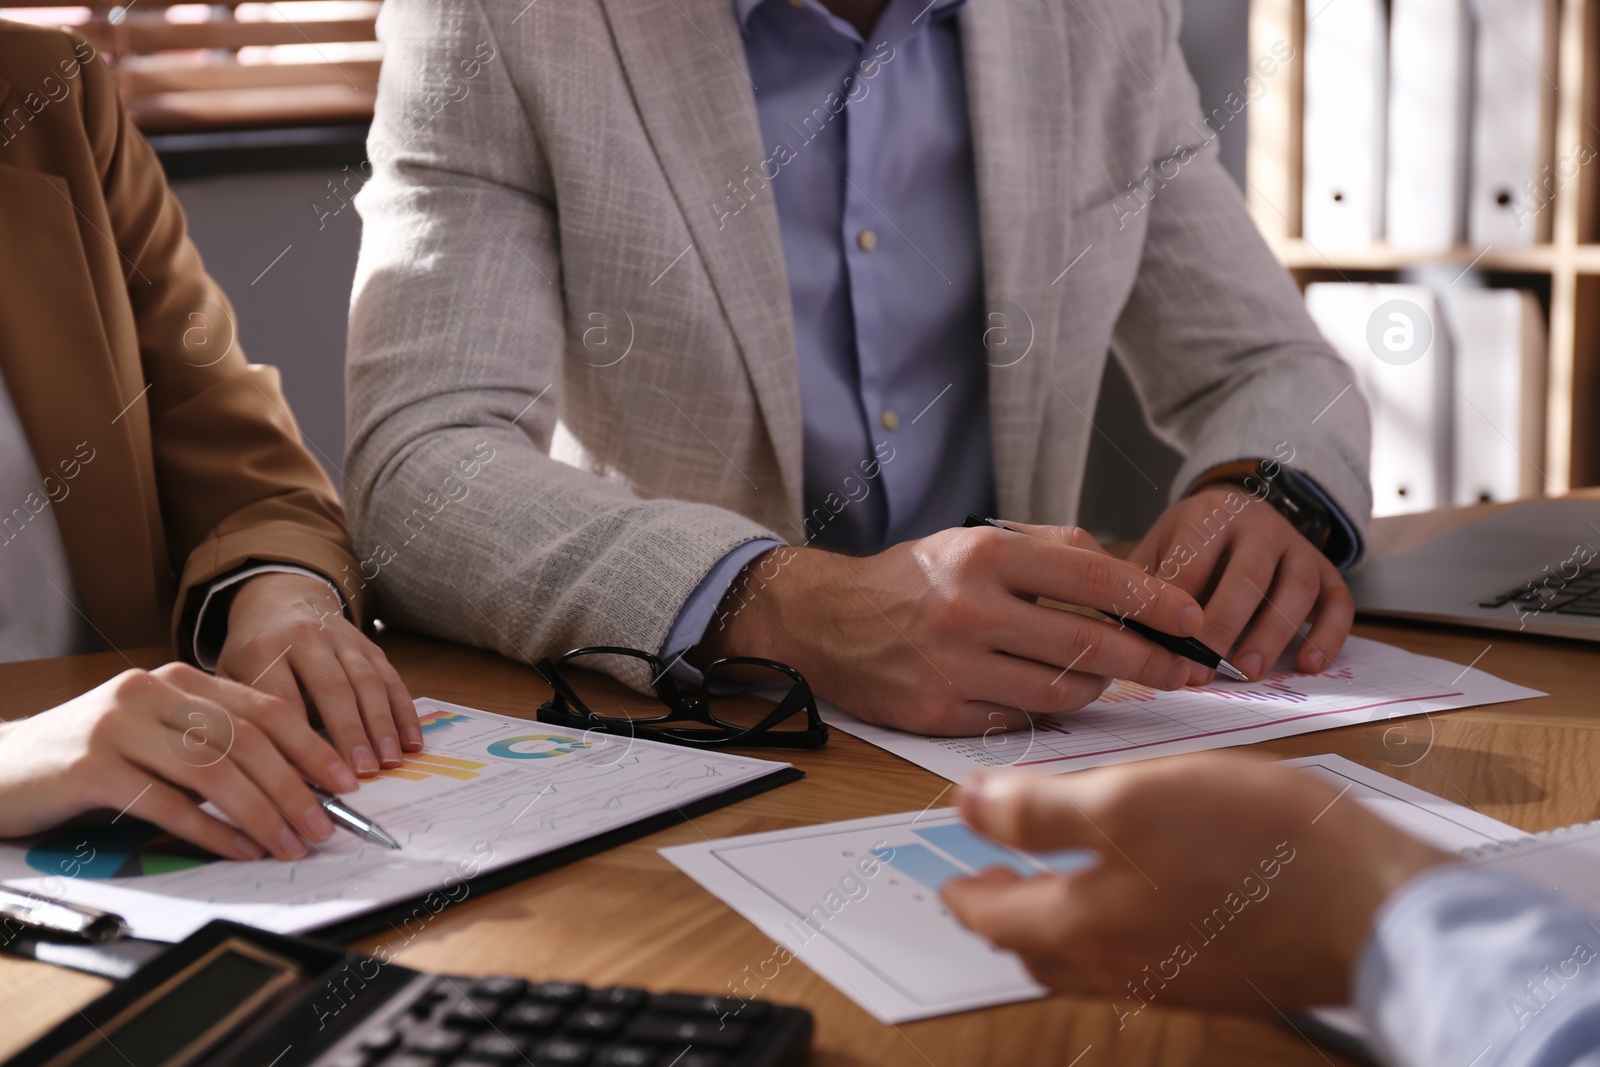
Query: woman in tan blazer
156, 493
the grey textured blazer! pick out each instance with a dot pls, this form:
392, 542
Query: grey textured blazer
572, 382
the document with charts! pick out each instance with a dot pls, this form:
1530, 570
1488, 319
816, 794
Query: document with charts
858, 901
1371, 681
486, 792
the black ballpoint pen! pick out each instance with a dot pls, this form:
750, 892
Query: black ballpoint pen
1187, 647
351, 819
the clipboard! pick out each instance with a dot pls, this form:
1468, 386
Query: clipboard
120, 959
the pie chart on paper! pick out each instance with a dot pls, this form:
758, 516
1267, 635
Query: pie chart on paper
129, 849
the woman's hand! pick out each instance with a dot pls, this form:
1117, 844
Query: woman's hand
287, 636
155, 744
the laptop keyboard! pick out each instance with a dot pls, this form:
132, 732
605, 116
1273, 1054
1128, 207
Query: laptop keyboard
1574, 596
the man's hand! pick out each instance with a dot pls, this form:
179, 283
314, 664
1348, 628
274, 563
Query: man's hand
149, 743
1215, 872
287, 636
1257, 577
943, 635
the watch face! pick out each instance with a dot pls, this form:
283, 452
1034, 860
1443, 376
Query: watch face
1306, 514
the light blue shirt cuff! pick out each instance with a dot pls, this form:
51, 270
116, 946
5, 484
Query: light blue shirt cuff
694, 618
1467, 966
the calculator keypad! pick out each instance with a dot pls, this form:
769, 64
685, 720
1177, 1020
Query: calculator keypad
494, 1022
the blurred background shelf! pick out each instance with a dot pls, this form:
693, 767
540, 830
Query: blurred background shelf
186, 67
1298, 254
1565, 271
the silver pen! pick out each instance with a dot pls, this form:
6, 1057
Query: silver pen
58, 917
352, 820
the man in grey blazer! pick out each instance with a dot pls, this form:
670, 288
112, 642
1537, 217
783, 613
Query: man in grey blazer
697, 326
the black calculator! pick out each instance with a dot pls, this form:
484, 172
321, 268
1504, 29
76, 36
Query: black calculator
231, 994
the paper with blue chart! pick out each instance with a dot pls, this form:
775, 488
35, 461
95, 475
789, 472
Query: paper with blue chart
1369, 682
858, 901
487, 791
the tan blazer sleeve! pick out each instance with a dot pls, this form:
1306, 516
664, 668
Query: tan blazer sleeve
234, 480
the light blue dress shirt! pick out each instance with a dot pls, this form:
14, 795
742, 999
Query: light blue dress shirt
1474, 968
878, 208
877, 204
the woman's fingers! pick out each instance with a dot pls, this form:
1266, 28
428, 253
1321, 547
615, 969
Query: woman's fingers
182, 736
223, 784
327, 686
280, 784
157, 744
372, 699
401, 706
283, 724
159, 803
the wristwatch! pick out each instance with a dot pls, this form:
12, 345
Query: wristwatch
1268, 480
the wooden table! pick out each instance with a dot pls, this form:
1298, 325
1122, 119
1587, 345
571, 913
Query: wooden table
628, 917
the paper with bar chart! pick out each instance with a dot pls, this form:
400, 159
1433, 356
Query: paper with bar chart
858, 901
487, 791
1369, 682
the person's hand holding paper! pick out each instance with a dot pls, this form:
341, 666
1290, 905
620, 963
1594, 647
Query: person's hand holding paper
1222, 881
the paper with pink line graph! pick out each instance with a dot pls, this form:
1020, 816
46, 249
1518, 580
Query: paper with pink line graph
1371, 681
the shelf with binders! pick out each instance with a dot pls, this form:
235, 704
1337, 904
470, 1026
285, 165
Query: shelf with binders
1560, 265
1451, 362
1440, 276
1299, 255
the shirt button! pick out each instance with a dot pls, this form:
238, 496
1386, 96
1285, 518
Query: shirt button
890, 420
867, 240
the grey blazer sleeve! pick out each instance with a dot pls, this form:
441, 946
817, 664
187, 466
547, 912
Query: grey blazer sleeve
464, 523
1215, 335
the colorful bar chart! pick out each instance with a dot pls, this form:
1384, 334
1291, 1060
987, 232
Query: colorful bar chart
420, 765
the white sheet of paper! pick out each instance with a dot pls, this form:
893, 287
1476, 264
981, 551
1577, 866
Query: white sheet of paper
488, 790
1370, 682
858, 901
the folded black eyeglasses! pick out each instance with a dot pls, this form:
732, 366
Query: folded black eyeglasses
690, 718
